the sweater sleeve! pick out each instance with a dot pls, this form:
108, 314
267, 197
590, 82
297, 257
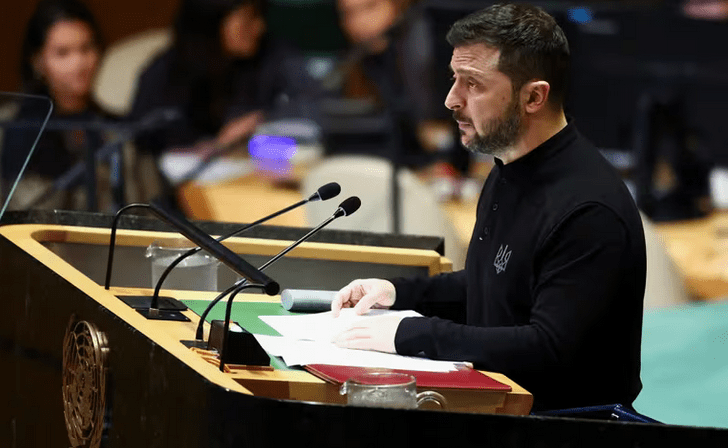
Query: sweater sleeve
443, 295
578, 297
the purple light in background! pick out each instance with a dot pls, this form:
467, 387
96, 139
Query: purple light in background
272, 147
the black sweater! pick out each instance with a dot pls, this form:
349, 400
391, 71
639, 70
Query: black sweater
553, 287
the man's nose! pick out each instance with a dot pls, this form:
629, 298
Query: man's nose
453, 101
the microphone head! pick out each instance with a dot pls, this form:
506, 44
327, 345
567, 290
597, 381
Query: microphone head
326, 192
349, 206
271, 288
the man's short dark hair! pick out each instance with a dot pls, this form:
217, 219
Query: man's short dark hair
531, 44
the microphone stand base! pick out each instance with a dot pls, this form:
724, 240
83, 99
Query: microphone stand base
243, 348
145, 302
173, 315
194, 343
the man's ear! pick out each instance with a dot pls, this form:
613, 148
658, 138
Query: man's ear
535, 95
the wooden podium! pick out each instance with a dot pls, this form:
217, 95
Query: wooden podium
81, 365
145, 378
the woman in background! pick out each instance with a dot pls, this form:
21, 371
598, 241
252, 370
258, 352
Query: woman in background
223, 74
60, 57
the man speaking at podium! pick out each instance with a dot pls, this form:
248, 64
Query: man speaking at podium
552, 291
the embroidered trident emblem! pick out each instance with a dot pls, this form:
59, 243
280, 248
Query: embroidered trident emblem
501, 259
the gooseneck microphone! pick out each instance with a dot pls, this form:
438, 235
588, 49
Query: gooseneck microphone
346, 208
324, 193
200, 238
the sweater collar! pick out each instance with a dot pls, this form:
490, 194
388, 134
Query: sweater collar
541, 153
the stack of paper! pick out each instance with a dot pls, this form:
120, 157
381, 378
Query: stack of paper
306, 339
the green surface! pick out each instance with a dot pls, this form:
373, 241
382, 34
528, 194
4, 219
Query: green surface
685, 365
246, 314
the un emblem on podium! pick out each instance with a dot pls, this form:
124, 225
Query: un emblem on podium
85, 351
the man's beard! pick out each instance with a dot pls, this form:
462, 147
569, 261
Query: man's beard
500, 133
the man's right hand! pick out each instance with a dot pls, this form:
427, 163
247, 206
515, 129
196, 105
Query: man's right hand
363, 295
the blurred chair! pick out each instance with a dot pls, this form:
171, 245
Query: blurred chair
370, 179
116, 82
121, 66
665, 284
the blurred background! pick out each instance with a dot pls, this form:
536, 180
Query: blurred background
117, 19
228, 110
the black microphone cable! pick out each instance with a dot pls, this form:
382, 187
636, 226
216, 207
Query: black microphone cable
228, 312
213, 302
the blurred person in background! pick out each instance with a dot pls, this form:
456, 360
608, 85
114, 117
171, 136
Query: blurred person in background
224, 75
391, 66
716, 10
60, 57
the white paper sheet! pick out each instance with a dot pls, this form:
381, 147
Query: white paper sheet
297, 353
322, 327
307, 340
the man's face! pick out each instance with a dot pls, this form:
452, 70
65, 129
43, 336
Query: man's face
482, 101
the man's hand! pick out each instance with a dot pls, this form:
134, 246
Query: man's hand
363, 295
374, 333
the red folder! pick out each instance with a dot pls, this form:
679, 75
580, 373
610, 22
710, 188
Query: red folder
463, 378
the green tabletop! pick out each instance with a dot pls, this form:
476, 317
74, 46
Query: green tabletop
244, 313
